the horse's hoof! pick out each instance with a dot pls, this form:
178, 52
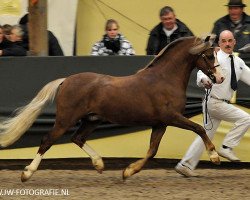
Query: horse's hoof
23, 177
214, 157
127, 173
123, 175
215, 160
26, 176
98, 165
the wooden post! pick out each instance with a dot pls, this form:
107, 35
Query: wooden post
37, 26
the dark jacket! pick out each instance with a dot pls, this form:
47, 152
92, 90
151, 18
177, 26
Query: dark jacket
12, 48
242, 36
158, 39
53, 44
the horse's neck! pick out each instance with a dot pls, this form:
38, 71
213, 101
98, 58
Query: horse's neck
178, 68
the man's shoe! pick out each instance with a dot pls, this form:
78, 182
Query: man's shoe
228, 154
185, 171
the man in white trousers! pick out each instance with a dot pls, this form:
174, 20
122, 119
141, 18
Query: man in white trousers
219, 108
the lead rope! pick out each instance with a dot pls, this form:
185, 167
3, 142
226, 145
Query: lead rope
206, 113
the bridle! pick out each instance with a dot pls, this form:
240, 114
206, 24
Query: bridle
209, 67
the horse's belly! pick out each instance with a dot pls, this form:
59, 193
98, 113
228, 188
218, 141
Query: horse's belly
130, 115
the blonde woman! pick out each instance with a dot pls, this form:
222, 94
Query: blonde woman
113, 42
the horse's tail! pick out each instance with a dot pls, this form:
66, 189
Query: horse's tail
12, 129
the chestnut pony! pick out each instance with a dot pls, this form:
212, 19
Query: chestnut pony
155, 96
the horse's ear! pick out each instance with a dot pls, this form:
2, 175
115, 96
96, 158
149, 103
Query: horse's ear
207, 38
199, 48
208, 42
212, 39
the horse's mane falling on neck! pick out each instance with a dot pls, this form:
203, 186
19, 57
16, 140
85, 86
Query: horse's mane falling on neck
168, 48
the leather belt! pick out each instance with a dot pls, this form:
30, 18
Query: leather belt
227, 101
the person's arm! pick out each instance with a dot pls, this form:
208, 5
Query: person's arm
245, 75
189, 32
95, 49
126, 49
152, 45
15, 50
217, 29
54, 46
203, 80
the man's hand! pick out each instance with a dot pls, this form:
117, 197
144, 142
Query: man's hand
206, 83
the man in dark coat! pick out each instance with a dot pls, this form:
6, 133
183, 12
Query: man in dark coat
166, 32
237, 21
8, 48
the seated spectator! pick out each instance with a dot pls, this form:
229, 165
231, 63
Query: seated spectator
53, 44
169, 29
16, 36
9, 48
6, 30
113, 42
237, 21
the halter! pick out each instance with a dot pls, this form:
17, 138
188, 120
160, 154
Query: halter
210, 73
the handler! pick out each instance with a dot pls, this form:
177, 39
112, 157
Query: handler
219, 108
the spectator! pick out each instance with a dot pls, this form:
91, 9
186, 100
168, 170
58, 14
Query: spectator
237, 21
113, 42
219, 108
8, 48
54, 46
168, 30
7, 30
16, 34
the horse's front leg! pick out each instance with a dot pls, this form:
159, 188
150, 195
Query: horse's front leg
156, 136
182, 122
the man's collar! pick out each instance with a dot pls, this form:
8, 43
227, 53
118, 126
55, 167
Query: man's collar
224, 54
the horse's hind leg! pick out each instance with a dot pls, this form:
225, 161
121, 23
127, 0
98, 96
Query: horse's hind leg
47, 141
156, 136
79, 138
182, 122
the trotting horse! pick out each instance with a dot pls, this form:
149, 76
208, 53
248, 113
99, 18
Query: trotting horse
155, 96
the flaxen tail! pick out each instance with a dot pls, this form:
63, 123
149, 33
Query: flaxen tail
13, 128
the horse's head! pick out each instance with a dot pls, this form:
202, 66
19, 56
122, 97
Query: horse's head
206, 59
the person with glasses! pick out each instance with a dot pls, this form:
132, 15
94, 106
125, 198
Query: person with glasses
113, 42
